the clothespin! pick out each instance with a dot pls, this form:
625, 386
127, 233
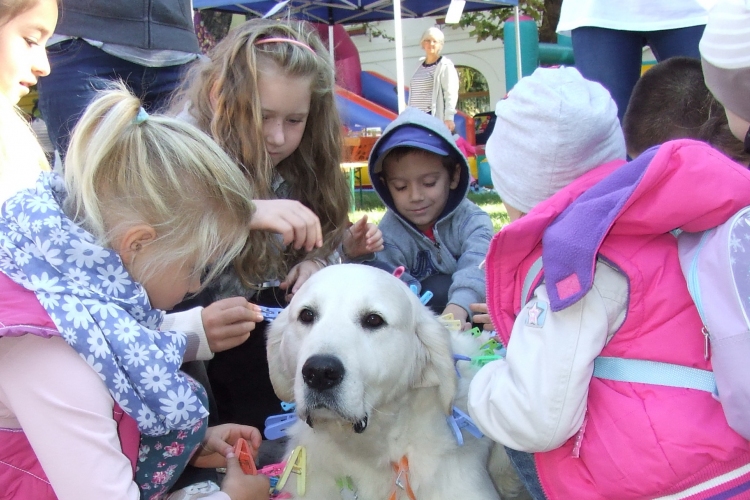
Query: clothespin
277, 425
242, 452
425, 298
490, 346
273, 471
456, 359
296, 464
451, 324
475, 332
459, 420
288, 406
270, 313
483, 360
399, 271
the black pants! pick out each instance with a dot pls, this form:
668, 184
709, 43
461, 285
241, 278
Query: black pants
239, 377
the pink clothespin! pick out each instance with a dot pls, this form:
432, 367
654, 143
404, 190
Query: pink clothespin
399, 271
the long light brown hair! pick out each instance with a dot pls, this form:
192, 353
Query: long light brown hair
222, 96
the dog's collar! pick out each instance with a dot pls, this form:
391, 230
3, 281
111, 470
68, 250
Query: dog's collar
402, 480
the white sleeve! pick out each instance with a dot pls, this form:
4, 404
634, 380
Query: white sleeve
190, 322
535, 399
450, 85
65, 411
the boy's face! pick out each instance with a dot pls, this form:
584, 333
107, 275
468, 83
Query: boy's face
419, 185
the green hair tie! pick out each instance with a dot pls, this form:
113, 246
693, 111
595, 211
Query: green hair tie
141, 117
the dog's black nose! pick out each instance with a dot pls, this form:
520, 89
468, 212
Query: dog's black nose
322, 372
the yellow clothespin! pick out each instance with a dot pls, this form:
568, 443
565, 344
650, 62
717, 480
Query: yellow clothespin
296, 464
451, 324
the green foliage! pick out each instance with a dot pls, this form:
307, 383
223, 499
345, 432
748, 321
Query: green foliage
490, 202
489, 24
374, 32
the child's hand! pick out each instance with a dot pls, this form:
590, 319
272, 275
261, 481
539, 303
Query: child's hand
228, 322
459, 313
220, 440
296, 223
240, 486
362, 238
481, 316
298, 275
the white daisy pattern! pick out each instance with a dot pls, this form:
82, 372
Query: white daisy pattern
114, 279
98, 309
155, 378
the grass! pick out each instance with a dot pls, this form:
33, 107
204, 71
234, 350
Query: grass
489, 202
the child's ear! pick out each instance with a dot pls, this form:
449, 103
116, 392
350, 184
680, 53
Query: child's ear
133, 241
456, 177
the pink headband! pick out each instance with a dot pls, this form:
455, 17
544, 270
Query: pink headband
285, 40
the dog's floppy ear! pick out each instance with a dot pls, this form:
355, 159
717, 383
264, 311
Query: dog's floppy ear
282, 378
437, 366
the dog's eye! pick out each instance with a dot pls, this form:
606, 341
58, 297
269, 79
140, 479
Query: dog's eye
306, 316
373, 321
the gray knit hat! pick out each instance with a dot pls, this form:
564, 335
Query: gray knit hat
725, 54
553, 127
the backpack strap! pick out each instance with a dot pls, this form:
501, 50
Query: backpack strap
535, 271
635, 370
654, 372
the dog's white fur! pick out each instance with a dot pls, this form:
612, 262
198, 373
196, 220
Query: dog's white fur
399, 376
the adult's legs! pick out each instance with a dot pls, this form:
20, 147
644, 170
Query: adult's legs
79, 70
610, 57
677, 42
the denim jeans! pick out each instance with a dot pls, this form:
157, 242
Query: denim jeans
79, 69
613, 57
526, 468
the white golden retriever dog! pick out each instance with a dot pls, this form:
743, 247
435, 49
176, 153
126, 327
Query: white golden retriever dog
372, 374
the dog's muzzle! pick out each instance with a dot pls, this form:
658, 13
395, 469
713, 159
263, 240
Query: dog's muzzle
322, 372
322, 375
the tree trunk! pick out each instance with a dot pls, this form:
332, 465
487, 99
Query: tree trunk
549, 21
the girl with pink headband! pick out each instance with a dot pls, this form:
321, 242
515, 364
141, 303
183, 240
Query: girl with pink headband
267, 96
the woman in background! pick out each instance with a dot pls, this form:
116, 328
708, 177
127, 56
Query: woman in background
434, 85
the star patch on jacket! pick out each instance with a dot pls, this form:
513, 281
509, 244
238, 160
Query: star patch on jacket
537, 314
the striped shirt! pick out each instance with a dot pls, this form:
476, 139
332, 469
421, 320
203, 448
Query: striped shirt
420, 91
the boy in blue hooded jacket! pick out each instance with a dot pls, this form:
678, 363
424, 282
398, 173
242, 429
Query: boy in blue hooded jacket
430, 228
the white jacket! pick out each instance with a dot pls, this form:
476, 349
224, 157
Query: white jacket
535, 399
444, 89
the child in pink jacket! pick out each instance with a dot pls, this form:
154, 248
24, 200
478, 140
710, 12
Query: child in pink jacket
585, 289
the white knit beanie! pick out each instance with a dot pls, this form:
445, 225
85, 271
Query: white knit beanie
725, 55
553, 127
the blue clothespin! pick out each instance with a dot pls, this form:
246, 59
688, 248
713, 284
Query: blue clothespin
456, 359
270, 313
277, 425
460, 420
425, 298
414, 289
288, 406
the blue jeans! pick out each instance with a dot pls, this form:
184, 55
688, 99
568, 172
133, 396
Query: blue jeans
526, 469
79, 69
613, 57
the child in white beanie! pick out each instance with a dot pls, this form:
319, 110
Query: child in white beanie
585, 285
725, 55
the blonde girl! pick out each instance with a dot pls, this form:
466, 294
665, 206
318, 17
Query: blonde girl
148, 204
267, 96
25, 26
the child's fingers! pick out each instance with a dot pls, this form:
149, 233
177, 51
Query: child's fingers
479, 307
